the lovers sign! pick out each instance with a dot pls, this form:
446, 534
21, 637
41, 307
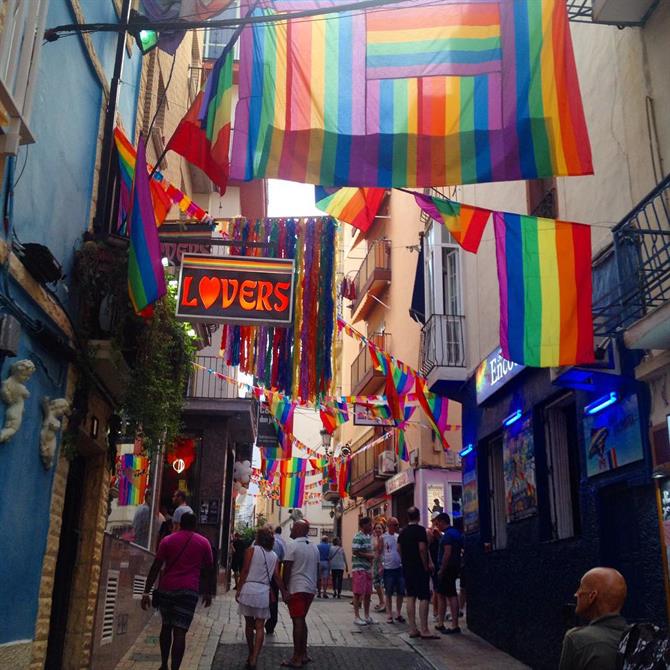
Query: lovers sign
236, 289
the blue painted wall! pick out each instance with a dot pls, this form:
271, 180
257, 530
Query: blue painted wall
519, 597
52, 206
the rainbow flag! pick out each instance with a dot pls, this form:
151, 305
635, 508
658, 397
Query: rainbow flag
333, 415
465, 223
282, 409
133, 479
401, 442
146, 280
159, 197
400, 379
418, 94
437, 411
291, 491
355, 206
203, 135
344, 477
544, 278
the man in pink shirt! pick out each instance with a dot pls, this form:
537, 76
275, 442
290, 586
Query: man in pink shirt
181, 555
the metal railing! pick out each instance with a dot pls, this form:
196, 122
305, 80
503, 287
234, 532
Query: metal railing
579, 11
361, 368
632, 276
376, 262
202, 384
442, 342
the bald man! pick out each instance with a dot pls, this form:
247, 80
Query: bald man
600, 597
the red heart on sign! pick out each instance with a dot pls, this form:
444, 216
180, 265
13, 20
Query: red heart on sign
209, 288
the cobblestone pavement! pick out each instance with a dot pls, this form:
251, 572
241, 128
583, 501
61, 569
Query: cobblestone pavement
216, 642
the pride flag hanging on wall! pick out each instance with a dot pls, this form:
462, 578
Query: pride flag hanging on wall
418, 94
544, 278
133, 479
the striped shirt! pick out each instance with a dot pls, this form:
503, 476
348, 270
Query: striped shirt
361, 542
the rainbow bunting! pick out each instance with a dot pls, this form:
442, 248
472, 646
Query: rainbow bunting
133, 479
465, 223
401, 441
418, 94
344, 478
282, 409
544, 277
203, 135
291, 491
355, 206
437, 411
400, 379
333, 415
146, 280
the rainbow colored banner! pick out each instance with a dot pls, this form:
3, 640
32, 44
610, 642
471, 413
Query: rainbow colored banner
437, 411
544, 277
355, 206
400, 379
133, 472
465, 223
418, 94
333, 414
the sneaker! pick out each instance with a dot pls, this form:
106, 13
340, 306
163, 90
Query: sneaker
369, 620
451, 631
360, 622
325, 595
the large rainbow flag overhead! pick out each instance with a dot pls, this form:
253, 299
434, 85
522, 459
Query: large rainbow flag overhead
544, 277
417, 94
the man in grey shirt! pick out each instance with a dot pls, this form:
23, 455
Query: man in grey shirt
600, 597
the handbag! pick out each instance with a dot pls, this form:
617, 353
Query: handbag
156, 594
273, 595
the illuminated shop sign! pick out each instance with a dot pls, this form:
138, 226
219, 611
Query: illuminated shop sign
493, 373
236, 289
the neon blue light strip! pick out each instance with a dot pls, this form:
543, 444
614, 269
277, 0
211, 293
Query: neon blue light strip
601, 403
464, 452
512, 418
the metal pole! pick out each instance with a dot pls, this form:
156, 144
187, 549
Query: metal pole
104, 200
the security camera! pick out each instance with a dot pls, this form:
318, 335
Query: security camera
345, 451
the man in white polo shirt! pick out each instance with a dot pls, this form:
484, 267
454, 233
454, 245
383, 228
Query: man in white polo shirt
301, 566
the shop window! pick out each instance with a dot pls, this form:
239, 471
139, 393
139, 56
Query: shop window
560, 434
497, 494
456, 502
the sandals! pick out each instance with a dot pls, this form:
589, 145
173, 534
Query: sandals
380, 608
290, 664
400, 619
390, 620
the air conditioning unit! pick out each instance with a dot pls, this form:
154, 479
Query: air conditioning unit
622, 12
386, 464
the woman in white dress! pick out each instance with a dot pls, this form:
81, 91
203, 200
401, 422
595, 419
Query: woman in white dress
253, 592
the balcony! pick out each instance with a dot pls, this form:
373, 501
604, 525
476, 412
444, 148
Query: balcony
442, 350
372, 278
631, 278
364, 378
205, 385
366, 477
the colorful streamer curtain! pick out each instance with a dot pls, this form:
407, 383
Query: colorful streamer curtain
415, 95
544, 278
133, 479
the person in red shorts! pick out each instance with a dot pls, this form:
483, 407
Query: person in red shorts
361, 571
301, 567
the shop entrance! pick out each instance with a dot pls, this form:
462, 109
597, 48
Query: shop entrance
402, 501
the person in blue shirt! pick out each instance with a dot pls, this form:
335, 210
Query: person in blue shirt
324, 567
448, 571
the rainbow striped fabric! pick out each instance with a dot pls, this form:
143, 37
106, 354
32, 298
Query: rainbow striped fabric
333, 414
437, 411
355, 206
544, 277
399, 380
282, 409
203, 135
291, 491
146, 279
421, 93
133, 479
465, 223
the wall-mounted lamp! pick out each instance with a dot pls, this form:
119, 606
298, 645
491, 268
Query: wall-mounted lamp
661, 471
467, 450
515, 416
602, 402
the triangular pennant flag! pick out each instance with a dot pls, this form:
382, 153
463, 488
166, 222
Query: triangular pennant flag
355, 206
437, 410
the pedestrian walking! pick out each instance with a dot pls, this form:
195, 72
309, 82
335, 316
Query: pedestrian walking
182, 555
179, 501
338, 565
361, 571
254, 593
393, 578
324, 567
416, 567
434, 537
279, 549
448, 571
301, 566
600, 598
378, 566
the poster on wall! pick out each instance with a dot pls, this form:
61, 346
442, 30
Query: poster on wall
519, 470
470, 501
435, 499
612, 437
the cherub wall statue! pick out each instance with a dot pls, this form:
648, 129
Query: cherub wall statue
53, 410
14, 394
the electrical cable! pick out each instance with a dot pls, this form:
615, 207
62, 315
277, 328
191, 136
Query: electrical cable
163, 96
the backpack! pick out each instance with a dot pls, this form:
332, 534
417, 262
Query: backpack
643, 646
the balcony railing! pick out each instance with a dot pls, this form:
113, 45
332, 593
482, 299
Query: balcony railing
363, 375
632, 276
204, 385
365, 474
442, 343
375, 271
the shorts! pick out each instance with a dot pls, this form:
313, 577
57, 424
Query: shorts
324, 570
394, 583
417, 584
177, 607
446, 586
298, 604
361, 582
